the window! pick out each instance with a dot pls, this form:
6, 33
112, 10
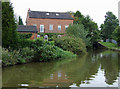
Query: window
41, 28
59, 27
57, 14
34, 24
50, 27
47, 13
66, 26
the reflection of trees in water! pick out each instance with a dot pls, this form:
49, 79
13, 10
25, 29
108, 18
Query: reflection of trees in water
81, 69
109, 62
77, 70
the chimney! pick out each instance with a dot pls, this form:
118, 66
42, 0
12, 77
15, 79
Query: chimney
29, 10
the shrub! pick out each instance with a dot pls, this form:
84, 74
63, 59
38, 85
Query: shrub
24, 35
27, 55
8, 58
116, 35
75, 45
78, 31
61, 54
48, 53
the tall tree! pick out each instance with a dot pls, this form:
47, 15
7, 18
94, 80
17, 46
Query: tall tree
9, 34
116, 35
20, 21
78, 31
89, 25
110, 23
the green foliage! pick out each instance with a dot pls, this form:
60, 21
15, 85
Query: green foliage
75, 45
20, 21
24, 36
8, 58
51, 36
78, 31
17, 56
27, 54
9, 35
89, 25
116, 35
64, 54
48, 52
110, 23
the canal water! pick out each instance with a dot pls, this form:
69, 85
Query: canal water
96, 69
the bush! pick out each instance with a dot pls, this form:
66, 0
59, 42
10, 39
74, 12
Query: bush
78, 31
24, 35
50, 34
61, 54
8, 58
75, 45
116, 35
27, 55
48, 53
17, 56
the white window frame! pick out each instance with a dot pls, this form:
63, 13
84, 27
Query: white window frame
59, 26
35, 25
50, 27
66, 26
41, 29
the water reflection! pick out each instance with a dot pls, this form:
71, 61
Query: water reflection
97, 68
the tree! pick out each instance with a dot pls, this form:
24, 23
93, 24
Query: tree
110, 23
20, 21
116, 35
78, 31
9, 34
89, 25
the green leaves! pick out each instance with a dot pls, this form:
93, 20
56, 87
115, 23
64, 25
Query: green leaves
110, 23
9, 35
116, 34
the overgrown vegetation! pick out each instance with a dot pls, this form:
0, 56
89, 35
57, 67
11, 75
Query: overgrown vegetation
116, 35
34, 50
78, 31
75, 45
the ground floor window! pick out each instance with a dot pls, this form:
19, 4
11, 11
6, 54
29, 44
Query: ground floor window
59, 27
41, 28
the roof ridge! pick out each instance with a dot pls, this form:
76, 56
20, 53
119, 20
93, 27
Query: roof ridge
47, 11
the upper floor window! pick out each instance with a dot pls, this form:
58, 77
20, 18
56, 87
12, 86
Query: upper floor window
59, 27
47, 13
66, 26
57, 14
50, 27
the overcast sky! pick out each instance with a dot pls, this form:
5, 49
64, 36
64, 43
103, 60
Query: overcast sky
95, 8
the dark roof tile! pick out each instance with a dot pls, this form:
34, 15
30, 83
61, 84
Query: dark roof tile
25, 28
52, 15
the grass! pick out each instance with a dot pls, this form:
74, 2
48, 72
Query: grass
110, 45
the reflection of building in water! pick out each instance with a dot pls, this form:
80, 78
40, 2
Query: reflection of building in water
57, 79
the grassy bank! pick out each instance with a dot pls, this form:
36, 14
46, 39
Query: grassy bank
111, 46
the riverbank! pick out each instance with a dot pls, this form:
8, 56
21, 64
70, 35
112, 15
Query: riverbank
110, 46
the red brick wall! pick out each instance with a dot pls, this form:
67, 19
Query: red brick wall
47, 22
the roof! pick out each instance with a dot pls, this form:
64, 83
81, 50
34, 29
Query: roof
49, 15
25, 28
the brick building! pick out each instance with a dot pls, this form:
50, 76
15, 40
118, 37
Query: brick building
49, 22
28, 29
